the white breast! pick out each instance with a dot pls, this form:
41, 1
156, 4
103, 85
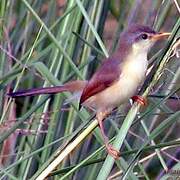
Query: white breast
132, 74
135, 67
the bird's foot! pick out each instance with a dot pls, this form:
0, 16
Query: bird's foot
113, 152
139, 99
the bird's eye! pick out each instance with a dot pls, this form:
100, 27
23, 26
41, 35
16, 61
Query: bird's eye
144, 36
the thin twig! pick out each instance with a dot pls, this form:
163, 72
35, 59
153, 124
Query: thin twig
177, 5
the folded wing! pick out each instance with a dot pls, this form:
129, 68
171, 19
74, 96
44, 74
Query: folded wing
104, 77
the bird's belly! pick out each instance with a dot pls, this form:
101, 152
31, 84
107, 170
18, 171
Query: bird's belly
121, 90
118, 93
114, 95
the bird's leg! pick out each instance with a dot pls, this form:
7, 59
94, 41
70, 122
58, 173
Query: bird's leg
100, 117
139, 99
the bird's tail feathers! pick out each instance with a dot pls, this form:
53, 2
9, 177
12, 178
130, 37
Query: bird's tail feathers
73, 86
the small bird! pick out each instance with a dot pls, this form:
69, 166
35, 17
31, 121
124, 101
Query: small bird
115, 81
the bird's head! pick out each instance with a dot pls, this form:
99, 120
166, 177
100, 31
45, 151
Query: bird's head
141, 38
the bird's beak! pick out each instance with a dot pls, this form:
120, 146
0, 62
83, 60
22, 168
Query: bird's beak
159, 36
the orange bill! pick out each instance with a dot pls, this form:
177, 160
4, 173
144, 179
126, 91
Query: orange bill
160, 36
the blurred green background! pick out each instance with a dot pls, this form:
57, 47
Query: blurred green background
47, 43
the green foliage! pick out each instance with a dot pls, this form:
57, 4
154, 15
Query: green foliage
47, 43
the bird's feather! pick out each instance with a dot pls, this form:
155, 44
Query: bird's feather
72, 86
104, 77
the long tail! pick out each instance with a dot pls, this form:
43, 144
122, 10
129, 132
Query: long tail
73, 86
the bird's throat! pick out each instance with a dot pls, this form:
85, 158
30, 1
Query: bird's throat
135, 65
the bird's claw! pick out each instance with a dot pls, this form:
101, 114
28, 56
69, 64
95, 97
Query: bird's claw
113, 152
139, 99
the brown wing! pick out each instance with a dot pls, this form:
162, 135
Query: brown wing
106, 75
